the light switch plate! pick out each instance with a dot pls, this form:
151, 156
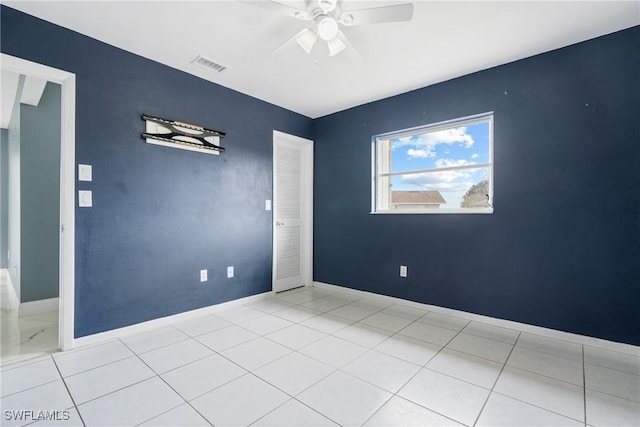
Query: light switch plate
229, 272
403, 271
85, 199
85, 173
267, 205
203, 276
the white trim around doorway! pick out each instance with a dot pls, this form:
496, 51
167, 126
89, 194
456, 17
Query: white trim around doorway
67, 81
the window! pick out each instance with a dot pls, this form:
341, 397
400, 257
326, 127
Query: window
444, 167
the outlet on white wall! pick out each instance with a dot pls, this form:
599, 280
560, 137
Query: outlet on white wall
230, 272
403, 271
203, 275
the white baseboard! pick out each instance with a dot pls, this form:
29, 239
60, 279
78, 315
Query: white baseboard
34, 308
11, 301
537, 330
163, 321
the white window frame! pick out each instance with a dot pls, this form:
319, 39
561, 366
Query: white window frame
376, 140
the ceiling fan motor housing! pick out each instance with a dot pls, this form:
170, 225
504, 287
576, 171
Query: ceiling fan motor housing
327, 17
327, 5
316, 8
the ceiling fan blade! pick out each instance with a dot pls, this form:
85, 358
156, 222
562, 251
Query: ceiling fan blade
279, 8
377, 15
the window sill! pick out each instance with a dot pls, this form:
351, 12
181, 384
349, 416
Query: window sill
434, 211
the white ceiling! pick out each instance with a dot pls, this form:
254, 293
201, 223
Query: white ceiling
445, 39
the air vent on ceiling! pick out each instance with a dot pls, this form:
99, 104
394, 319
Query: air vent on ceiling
208, 64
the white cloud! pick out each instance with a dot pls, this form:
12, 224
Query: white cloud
405, 140
475, 155
421, 153
450, 136
429, 141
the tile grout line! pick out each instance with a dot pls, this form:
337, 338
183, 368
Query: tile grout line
615, 369
116, 390
496, 381
584, 388
368, 348
291, 397
546, 376
537, 406
294, 397
248, 372
168, 385
419, 370
529, 403
289, 400
29, 388
99, 366
319, 361
68, 391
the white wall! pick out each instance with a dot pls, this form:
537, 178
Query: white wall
14, 193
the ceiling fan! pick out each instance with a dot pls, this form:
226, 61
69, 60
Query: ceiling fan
327, 16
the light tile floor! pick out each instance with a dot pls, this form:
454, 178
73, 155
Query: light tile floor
320, 357
27, 336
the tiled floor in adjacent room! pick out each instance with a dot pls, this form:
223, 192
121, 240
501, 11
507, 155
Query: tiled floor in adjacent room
27, 336
318, 357
24, 336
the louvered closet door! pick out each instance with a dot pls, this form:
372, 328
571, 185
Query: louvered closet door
291, 213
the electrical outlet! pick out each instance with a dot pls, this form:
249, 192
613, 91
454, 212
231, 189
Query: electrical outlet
203, 275
229, 272
403, 271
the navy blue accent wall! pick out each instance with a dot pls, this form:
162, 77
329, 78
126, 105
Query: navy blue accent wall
159, 214
562, 249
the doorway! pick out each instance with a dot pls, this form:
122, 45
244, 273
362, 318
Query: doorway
66, 227
292, 212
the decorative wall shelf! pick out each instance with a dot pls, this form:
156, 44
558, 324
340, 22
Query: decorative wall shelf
185, 136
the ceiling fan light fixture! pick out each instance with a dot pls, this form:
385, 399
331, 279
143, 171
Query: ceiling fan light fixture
307, 39
336, 46
328, 28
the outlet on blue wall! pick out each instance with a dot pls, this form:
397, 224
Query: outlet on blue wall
562, 248
159, 214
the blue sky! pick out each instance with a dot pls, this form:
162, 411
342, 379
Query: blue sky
445, 148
